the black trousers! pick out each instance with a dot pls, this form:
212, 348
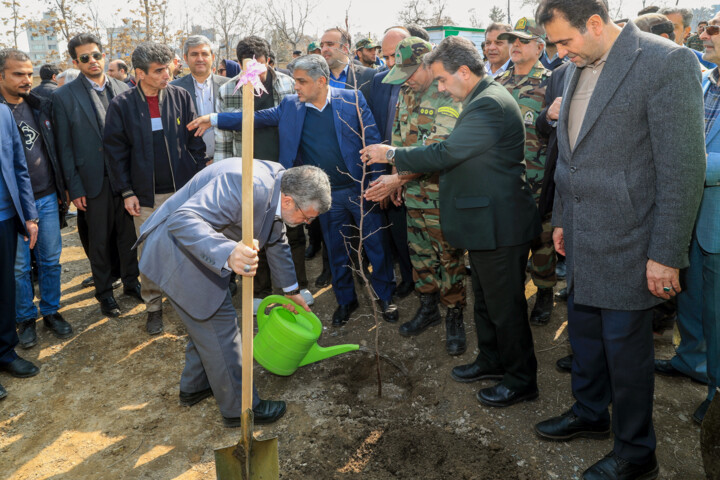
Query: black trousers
614, 361
262, 285
397, 221
84, 235
110, 226
8, 250
501, 317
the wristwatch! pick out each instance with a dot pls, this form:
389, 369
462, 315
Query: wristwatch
292, 292
390, 156
34, 220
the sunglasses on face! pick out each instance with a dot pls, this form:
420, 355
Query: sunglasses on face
85, 57
524, 41
712, 30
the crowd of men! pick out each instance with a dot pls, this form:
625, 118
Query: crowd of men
568, 136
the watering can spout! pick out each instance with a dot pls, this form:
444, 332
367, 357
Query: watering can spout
317, 353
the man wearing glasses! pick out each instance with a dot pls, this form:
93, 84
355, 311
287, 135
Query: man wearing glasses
79, 118
526, 79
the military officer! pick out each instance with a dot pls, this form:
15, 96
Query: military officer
526, 80
425, 116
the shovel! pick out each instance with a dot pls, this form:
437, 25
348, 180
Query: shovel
250, 459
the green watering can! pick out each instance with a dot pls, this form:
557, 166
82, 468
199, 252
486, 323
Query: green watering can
286, 341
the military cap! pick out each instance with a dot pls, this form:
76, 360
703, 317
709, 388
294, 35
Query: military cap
366, 43
525, 28
408, 58
312, 46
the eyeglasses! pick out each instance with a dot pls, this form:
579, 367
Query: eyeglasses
524, 41
307, 220
712, 30
85, 57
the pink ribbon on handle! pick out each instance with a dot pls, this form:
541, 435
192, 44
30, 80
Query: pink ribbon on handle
252, 76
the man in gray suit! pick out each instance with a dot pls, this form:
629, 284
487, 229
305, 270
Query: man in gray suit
202, 84
192, 243
79, 119
629, 180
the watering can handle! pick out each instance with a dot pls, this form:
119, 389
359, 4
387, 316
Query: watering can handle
262, 316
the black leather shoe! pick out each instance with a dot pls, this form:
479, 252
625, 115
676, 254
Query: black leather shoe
267, 411
389, 311
568, 426
27, 334
564, 364
427, 315
134, 292
57, 325
455, 343
324, 279
562, 295
311, 251
612, 467
664, 367
109, 307
88, 282
472, 372
154, 323
342, 313
502, 396
190, 399
3, 392
115, 284
699, 414
20, 368
561, 270
404, 289
543, 308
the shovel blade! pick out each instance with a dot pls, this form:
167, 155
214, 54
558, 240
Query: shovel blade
264, 464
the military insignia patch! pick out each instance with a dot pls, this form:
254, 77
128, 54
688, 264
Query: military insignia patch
448, 111
529, 118
427, 111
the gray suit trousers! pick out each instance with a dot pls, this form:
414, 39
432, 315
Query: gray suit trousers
213, 358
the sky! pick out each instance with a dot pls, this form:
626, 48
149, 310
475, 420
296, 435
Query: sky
372, 16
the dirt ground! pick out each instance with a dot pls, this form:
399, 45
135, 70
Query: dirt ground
105, 405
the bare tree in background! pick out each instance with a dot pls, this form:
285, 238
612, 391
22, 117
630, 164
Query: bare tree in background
425, 12
289, 19
232, 18
474, 19
13, 23
69, 17
497, 15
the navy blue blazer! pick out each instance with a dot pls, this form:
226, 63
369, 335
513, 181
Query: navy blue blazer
14, 169
379, 102
289, 117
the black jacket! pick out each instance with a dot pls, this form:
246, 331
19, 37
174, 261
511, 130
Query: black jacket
128, 142
46, 88
553, 90
42, 111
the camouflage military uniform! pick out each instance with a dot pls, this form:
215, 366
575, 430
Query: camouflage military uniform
423, 118
695, 43
529, 92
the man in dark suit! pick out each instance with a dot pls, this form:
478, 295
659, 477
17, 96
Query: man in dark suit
382, 100
48, 85
79, 113
487, 208
17, 215
344, 73
317, 127
202, 84
629, 181
193, 242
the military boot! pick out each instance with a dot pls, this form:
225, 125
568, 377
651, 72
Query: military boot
427, 315
454, 332
543, 308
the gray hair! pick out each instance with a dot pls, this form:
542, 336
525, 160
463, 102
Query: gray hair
687, 14
11, 54
150, 52
454, 52
503, 27
309, 186
196, 41
314, 64
69, 75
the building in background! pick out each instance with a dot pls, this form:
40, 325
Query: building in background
42, 42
